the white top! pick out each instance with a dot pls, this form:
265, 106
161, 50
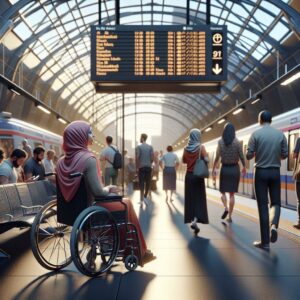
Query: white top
49, 166
169, 159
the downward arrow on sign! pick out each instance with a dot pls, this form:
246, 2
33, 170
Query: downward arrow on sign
217, 70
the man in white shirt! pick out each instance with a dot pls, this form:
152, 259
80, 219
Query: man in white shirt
107, 155
48, 162
8, 172
27, 148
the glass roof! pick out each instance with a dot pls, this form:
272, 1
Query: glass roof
57, 36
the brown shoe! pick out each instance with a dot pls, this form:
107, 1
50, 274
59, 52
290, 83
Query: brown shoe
148, 256
297, 225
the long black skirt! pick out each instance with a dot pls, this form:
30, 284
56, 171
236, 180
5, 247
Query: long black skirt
169, 179
195, 205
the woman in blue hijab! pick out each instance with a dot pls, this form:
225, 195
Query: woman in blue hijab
195, 206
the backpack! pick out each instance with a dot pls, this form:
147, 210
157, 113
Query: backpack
118, 159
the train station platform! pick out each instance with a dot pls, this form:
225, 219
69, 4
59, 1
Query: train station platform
220, 263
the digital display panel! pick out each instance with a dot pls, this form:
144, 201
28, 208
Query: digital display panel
158, 58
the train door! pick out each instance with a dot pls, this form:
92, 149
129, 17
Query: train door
291, 199
245, 180
241, 189
7, 144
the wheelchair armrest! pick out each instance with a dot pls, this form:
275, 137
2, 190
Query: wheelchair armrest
50, 174
77, 174
109, 198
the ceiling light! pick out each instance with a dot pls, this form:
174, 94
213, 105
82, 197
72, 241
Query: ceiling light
14, 91
257, 98
255, 101
238, 110
221, 121
291, 79
44, 109
208, 129
62, 120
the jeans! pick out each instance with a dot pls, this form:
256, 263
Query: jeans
267, 181
110, 176
144, 181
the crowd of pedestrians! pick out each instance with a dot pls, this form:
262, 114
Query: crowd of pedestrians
267, 145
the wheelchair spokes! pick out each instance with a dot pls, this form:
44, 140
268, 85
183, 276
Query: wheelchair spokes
94, 241
50, 240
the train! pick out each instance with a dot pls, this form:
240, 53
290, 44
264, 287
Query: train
14, 131
289, 124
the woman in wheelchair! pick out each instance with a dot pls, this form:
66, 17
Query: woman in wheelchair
79, 159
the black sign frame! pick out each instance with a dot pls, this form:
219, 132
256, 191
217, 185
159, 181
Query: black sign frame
127, 81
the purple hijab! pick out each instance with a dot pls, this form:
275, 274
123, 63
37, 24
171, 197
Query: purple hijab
75, 145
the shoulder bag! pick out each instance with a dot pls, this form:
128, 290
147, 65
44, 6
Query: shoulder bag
201, 168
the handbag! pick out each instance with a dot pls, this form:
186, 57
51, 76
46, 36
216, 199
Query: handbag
201, 168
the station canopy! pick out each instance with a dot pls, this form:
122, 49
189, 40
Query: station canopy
52, 39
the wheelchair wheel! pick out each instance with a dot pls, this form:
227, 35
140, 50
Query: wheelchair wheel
50, 240
131, 262
94, 241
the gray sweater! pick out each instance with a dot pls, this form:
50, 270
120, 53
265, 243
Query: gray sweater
144, 155
268, 145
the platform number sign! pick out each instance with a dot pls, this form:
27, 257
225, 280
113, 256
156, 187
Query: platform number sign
217, 53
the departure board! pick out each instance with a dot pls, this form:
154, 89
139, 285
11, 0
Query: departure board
171, 59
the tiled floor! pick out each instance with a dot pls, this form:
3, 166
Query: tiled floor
220, 263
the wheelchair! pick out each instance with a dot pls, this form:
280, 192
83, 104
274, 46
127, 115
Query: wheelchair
87, 235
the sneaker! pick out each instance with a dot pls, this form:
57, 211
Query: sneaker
259, 244
195, 227
273, 235
225, 213
297, 225
229, 220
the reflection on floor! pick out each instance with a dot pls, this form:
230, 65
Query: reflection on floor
220, 263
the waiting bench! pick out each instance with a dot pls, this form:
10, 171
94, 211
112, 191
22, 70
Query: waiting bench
20, 202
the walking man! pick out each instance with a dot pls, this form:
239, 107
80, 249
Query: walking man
269, 146
144, 160
107, 155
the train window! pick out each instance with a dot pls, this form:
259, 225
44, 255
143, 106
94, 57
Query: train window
7, 144
247, 162
294, 135
37, 144
56, 149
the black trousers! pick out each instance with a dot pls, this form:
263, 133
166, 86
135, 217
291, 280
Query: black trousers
298, 197
144, 181
267, 181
